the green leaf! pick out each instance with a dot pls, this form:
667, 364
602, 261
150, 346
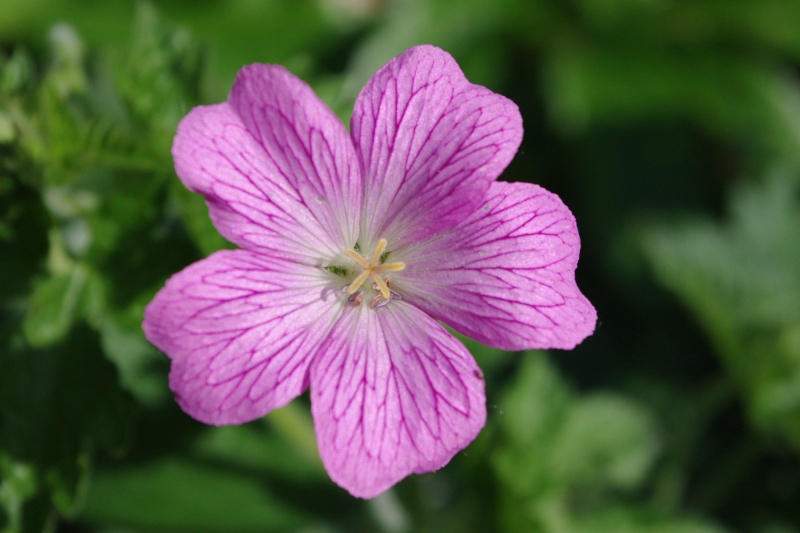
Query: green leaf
175, 493
768, 24
136, 360
194, 214
740, 279
535, 406
57, 406
18, 484
724, 93
16, 73
420, 21
54, 306
161, 73
605, 439
620, 519
532, 413
557, 442
259, 448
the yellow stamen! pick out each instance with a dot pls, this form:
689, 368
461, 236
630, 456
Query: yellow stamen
355, 256
381, 286
391, 267
378, 252
372, 268
358, 282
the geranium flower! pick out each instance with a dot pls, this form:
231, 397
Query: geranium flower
353, 248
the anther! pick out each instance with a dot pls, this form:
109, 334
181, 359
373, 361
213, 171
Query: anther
356, 298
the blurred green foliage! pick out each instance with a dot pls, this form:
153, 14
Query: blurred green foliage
742, 279
572, 463
672, 130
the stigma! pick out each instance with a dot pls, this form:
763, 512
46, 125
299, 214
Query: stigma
373, 268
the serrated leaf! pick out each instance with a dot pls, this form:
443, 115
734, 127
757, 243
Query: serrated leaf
161, 74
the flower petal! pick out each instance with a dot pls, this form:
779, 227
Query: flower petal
241, 330
431, 144
307, 144
278, 169
392, 393
506, 276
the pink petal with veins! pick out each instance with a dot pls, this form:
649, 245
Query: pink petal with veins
304, 143
277, 168
241, 330
392, 393
431, 144
506, 275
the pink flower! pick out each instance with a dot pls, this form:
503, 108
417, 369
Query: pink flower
353, 248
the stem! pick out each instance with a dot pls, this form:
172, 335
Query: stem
295, 425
